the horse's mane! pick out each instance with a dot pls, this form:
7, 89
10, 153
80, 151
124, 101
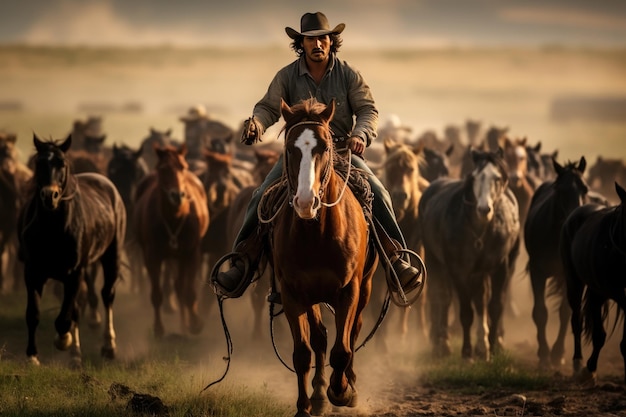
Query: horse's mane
171, 154
308, 109
492, 157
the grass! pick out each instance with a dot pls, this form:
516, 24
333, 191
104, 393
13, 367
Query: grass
57, 391
503, 371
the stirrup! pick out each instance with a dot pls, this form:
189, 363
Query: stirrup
245, 282
397, 291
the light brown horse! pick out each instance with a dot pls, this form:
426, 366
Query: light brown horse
171, 218
516, 159
320, 254
401, 175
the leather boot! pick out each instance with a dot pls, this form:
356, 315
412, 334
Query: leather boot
409, 276
244, 263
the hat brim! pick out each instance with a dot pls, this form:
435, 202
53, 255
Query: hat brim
293, 34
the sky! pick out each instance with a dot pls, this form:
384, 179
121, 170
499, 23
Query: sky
375, 23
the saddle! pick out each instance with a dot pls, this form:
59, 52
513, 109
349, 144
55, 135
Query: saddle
277, 194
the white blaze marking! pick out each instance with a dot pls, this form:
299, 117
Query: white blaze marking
306, 176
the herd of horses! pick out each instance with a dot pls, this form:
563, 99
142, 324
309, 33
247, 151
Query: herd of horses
79, 210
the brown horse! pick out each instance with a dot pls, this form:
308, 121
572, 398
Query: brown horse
69, 223
320, 254
516, 158
171, 218
402, 179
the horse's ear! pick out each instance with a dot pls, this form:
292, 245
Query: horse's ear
449, 151
65, 146
537, 147
582, 164
182, 150
555, 154
38, 142
390, 144
523, 141
115, 149
329, 112
285, 110
557, 167
621, 193
419, 148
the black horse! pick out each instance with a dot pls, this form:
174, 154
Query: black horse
69, 222
593, 250
126, 169
551, 204
470, 230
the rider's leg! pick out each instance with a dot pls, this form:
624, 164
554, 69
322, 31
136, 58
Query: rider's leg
233, 282
388, 231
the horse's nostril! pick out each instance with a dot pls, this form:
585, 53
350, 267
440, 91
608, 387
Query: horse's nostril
55, 195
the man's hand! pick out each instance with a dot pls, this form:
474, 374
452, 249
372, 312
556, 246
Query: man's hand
251, 132
356, 145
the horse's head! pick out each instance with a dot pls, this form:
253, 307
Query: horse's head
402, 174
125, 169
52, 171
171, 170
308, 153
436, 163
218, 181
516, 158
570, 183
489, 180
156, 137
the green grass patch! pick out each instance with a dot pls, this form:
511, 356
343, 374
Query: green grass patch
472, 377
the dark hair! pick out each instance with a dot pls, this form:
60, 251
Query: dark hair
335, 43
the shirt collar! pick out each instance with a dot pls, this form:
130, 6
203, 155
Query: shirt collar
304, 70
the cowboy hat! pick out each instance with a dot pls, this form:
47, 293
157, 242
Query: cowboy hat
197, 112
314, 24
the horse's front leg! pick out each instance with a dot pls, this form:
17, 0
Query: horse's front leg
299, 324
153, 266
186, 292
66, 323
340, 392
111, 269
34, 288
479, 294
319, 344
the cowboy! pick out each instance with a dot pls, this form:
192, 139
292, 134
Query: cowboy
317, 73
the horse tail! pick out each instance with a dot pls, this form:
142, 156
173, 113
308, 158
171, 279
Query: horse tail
588, 316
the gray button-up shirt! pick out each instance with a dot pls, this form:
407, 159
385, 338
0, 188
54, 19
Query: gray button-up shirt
356, 113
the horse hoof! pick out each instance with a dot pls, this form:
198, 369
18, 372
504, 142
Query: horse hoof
585, 378
107, 353
196, 326
63, 342
578, 365
33, 360
320, 407
76, 363
346, 399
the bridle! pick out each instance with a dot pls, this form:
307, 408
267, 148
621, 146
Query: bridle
326, 174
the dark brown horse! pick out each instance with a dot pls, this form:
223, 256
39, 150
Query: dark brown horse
593, 250
470, 229
69, 223
127, 169
321, 254
171, 218
551, 204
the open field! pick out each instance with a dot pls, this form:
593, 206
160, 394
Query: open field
45, 90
